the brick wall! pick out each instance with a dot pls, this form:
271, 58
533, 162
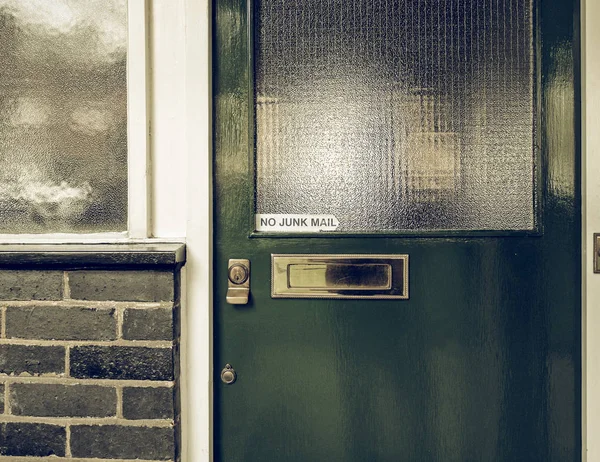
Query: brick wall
89, 364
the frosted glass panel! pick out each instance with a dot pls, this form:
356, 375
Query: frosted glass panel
396, 115
63, 116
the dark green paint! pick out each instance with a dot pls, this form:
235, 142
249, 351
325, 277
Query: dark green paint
481, 364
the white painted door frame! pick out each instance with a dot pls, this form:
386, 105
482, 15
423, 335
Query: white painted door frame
197, 317
197, 342
591, 224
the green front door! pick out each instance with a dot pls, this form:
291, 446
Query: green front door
445, 130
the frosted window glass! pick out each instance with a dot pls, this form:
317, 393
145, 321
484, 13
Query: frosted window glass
396, 114
63, 116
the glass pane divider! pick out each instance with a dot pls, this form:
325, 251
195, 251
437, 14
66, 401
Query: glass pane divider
138, 130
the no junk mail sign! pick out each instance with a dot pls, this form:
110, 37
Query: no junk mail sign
292, 223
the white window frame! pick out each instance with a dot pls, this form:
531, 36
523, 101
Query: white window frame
139, 226
138, 120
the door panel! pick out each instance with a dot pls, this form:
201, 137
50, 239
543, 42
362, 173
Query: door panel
482, 363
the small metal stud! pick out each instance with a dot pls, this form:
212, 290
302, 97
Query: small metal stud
228, 375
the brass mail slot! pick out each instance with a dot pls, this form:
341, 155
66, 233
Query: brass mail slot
339, 276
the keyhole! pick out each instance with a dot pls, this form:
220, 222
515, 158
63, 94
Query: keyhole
238, 274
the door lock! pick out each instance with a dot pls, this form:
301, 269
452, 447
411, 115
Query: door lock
238, 273
238, 290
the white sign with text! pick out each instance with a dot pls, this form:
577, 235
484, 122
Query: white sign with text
292, 223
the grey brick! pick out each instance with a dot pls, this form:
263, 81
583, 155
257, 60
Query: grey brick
123, 363
148, 324
137, 286
50, 400
1, 398
31, 285
60, 323
35, 360
116, 442
148, 403
29, 439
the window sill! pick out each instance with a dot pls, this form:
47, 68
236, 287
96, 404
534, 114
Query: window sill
157, 256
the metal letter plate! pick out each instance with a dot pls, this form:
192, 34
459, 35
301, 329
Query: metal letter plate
339, 276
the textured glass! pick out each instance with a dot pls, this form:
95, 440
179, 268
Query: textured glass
396, 115
63, 116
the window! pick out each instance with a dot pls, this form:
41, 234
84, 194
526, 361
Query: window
63, 116
397, 116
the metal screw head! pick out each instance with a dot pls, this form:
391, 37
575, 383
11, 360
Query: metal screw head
228, 375
238, 273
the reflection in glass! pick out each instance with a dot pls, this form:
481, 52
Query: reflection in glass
63, 116
396, 114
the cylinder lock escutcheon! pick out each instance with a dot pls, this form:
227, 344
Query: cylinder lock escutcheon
238, 287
